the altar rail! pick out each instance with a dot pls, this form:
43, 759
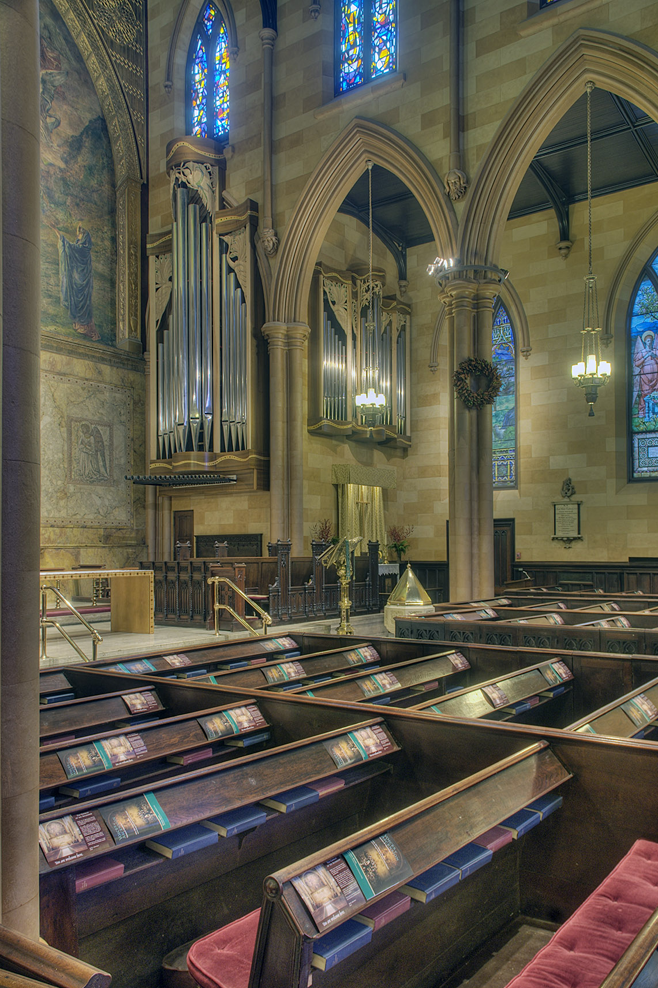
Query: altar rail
294, 587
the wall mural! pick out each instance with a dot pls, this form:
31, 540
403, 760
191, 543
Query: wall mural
86, 442
78, 202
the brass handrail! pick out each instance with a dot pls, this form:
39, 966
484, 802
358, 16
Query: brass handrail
217, 607
46, 622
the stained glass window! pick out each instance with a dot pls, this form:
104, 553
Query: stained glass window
367, 40
208, 75
504, 409
643, 363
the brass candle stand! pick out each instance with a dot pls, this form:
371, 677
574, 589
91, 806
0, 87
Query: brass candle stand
340, 556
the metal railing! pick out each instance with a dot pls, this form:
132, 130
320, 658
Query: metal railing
217, 607
45, 622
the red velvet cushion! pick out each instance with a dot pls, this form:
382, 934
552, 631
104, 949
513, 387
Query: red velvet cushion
223, 958
586, 948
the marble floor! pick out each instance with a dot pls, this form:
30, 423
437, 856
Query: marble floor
117, 645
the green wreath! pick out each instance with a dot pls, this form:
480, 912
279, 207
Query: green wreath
476, 367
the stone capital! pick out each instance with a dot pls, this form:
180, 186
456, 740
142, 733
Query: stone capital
267, 36
298, 334
276, 334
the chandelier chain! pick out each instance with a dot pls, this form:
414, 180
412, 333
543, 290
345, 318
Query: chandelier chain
370, 237
590, 87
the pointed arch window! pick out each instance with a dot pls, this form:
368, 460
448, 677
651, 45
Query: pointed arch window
504, 430
207, 76
643, 375
366, 41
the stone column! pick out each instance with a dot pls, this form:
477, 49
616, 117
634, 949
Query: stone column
485, 586
128, 266
269, 239
166, 516
298, 334
276, 335
21, 481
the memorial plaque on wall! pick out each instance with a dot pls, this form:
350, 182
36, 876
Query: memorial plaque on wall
566, 520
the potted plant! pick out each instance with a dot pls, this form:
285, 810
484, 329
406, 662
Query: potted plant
399, 539
323, 531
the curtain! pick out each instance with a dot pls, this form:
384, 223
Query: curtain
361, 512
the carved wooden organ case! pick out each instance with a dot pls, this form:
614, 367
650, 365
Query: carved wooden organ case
346, 358
208, 360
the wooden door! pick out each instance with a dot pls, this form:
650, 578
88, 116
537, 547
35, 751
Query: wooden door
503, 552
184, 528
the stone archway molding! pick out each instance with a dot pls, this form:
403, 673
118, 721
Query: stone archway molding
614, 63
181, 35
326, 188
637, 255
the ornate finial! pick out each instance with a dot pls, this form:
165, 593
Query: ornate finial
456, 184
568, 489
564, 247
271, 887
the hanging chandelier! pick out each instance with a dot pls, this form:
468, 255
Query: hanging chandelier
591, 373
370, 400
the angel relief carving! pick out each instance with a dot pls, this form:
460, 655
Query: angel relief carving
236, 256
163, 274
336, 295
198, 177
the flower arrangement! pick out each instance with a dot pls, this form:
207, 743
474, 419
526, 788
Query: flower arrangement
399, 539
476, 367
323, 531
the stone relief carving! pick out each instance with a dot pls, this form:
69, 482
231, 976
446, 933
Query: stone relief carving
456, 184
365, 289
336, 294
163, 275
270, 241
199, 178
237, 255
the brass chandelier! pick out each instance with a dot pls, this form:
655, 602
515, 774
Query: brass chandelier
590, 373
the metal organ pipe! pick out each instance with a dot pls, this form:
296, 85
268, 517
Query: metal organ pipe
206, 336
194, 325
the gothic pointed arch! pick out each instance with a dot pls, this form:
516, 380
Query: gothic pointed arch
333, 177
614, 63
179, 43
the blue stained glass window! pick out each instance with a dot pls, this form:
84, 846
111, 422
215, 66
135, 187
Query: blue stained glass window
208, 72
504, 409
199, 91
643, 363
366, 41
221, 83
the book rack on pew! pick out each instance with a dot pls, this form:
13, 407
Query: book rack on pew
294, 920
521, 693
634, 715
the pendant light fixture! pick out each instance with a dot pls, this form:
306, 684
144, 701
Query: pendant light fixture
371, 400
591, 373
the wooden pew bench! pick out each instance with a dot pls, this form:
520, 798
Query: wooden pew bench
594, 938
281, 943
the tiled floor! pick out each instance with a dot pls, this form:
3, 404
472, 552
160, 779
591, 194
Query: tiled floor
118, 644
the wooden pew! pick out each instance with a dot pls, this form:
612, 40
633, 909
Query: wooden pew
634, 715
26, 963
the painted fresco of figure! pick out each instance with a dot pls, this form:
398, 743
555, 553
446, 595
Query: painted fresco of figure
645, 375
77, 281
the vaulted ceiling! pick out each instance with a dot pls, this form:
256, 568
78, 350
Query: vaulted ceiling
624, 155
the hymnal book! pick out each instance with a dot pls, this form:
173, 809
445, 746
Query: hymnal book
141, 703
237, 664
545, 805
139, 817
46, 803
99, 755
89, 874
59, 697
532, 700
359, 745
325, 786
70, 837
137, 665
246, 740
563, 670
432, 882
338, 944
288, 654
328, 891
495, 838
520, 706
469, 858
236, 821
383, 912
176, 843
459, 661
292, 799
553, 690
189, 757
276, 644
379, 682
498, 697
585, 729
177, 660
92, 787
521, 822
378, 865
191, 674
234, 721
284, 671
362, 656
640, 709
